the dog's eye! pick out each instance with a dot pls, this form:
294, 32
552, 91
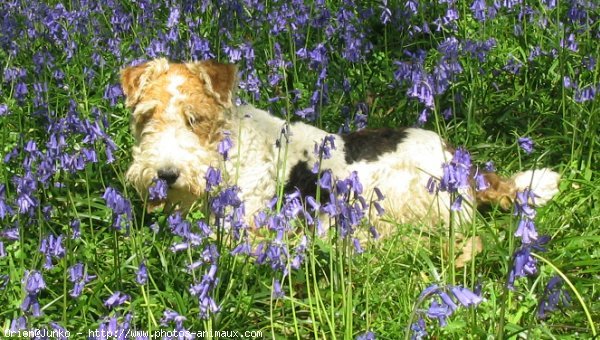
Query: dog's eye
192, 121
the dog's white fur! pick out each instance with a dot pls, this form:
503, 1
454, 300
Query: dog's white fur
180, 112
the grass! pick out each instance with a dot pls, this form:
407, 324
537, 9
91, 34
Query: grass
526, 70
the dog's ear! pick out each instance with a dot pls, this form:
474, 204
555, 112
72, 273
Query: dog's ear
131, 80
135, 78
220, 79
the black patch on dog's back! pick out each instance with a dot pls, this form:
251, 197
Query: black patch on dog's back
369, 144
304, 180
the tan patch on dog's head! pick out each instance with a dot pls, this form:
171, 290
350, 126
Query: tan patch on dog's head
500, 191
200, 92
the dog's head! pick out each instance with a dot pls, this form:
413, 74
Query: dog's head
178, 116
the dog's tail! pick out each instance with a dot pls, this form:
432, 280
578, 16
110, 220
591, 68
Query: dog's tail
502, 191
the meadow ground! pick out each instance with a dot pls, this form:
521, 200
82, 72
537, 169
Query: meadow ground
78, 252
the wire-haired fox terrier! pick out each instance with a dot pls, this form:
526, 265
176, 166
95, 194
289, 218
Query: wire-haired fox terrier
181, 112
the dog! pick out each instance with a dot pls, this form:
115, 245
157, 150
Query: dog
182, 111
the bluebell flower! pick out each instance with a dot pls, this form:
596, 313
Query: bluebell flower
585, 94
158, 190
59, 331
113, 94
202, 291
52, 247
172, 316
34, 284
465, 296
324, 148
326, 180
120, 206
75, 228
524, 264
419, 330
11, 234
225, 145
18, 324
489, 166
554, 297
4, 110
479, 9
116, 299
481, 183
277, 292
26, 186
173, 17
5, 209
213, 178
526, 231
524, 204
439, 311
357, 247
366, 336
457, 203
79, 277
443, 305
142, 274
526, 144
570, 43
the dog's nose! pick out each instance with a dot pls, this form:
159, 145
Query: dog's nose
169, 175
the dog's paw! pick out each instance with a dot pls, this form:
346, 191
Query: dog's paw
543, 183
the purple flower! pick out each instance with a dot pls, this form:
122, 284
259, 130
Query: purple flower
202, 291
443, 305
457, 203
116, 299
173, 17
479, 9
419, 330
79, 277
570, 43
158, 191
11, 234
4, 110
366, 336
18, 324
523, 204
554, 297
213, 178
439, 311
324, 148
526, 144
225, 145
120, 206
585, 94
34, 284
113, 94
526, 231
524, 264
75, 229
4, 208
277, 292
172, 316
52, 247
386, 13
481, 183
59, 331
465, 296
456, 172
142, 274
357, 247
489, 166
